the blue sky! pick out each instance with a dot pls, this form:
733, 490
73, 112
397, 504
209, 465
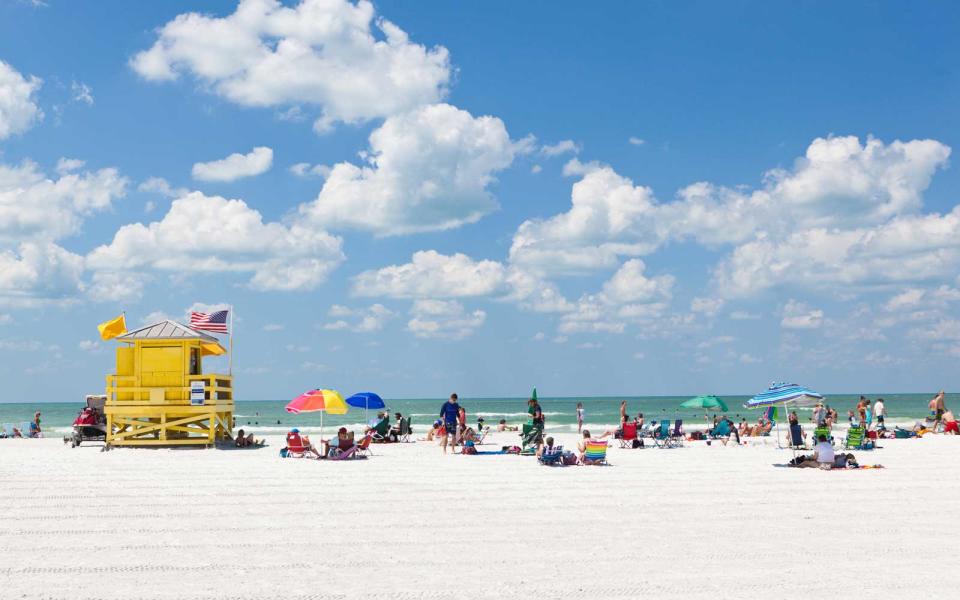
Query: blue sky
415, 198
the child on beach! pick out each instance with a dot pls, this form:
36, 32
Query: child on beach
579, 417
502, 426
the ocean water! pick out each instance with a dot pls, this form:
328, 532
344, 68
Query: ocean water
267, 417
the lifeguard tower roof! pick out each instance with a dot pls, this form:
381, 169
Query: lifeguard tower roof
166, 330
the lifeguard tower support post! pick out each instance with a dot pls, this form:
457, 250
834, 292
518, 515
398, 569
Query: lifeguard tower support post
159, 394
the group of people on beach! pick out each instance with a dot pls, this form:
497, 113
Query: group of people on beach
30, 429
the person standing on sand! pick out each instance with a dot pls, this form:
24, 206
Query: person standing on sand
880, 413
449, 413
936, 406
579, 417
537, 420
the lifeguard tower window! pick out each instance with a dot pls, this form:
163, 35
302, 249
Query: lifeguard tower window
194, 361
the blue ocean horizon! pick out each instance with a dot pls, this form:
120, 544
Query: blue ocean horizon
268, 417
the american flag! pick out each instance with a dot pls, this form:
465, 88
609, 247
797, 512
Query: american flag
216, 322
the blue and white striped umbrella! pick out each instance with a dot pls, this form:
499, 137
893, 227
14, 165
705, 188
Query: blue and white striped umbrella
783, 393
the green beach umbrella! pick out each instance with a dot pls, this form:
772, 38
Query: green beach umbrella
705, 402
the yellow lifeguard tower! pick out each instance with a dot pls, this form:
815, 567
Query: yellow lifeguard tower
159, 395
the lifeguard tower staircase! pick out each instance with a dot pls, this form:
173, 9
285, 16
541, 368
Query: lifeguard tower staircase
159, 394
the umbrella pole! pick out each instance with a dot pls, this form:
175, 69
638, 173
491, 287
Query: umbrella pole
321, 424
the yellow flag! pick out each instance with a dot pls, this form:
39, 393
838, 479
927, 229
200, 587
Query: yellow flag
212, 350
112, 328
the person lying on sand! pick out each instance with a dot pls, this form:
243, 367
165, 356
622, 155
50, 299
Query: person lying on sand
246, 441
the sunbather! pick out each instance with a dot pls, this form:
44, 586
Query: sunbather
381, 429
470, 435
343, 441
300, 443
433, 432
244, 441
582, 445
502, 426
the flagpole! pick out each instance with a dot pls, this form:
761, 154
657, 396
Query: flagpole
231, 341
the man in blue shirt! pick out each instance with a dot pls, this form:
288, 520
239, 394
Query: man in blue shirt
448, 414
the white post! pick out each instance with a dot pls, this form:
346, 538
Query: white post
230, 333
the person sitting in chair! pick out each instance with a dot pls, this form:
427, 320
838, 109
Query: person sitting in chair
343, 441
297, 441
547, 448
381, 430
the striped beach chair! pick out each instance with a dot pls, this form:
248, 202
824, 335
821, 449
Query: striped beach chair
595, 453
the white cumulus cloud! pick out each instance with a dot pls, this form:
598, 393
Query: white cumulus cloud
443, 319
427, 170
430, 274
18, 104
797, 315
212, 234
335, 55
236, 166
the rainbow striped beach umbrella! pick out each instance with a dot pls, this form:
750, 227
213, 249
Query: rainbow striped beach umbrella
322, 401
784, 393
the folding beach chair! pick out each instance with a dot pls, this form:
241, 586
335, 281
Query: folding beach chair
531, 435
796, 437
296, 447
406, 430
359, 450
856, 439
27, 429
661, 435
595, 453
381, 431
768, 416
363, 446
676, 435
8, 430
722, 430
553, 458
628, 434
825, 432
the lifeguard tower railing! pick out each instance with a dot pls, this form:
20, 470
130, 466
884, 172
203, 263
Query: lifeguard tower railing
144, 415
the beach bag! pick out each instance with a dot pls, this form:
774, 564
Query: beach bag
569, 458
283, 452
637, 443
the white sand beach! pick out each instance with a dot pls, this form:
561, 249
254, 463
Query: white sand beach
409, 522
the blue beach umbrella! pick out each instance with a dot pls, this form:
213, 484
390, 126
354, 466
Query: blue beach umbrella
366, 401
